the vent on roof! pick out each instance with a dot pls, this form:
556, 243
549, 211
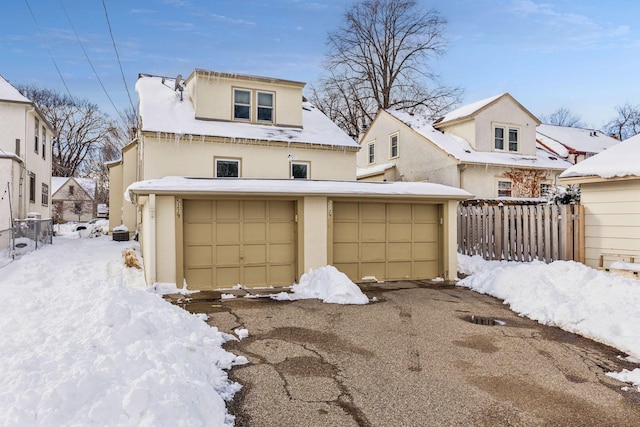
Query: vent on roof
467, 151
553, 158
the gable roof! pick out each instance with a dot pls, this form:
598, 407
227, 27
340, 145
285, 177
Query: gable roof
620, 160
462, 151
469, 111
162, 111
10, 93
564, 140
87, 184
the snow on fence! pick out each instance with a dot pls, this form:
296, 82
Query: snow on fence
520, 232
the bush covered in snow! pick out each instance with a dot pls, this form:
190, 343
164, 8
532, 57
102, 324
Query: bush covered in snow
561, 195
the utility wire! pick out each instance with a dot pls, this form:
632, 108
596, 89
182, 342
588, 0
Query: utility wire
47, 46
106, 14
91, 64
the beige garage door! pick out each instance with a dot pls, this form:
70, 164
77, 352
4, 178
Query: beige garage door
388, 241
230, 242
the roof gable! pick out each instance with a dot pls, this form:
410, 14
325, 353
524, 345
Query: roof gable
87, 185
470, 111
621, 160
9, 93
567, 139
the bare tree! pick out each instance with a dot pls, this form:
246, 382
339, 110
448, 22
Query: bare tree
627, 124
81, 127
379, 58
562, 117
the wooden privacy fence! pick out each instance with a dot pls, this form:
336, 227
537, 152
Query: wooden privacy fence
520, 232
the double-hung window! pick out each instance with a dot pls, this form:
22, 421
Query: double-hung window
299, 170
393, 143
36, 132
227, 168
372, 153
32, 187
45, 194
242, 104
44, 143
512, 136
504, 188
265, 107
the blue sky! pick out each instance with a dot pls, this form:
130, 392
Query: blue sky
580, 54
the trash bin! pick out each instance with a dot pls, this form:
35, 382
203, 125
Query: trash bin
120, 236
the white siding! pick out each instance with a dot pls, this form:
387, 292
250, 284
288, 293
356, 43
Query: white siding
612, 219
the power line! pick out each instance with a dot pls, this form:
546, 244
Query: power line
106, 14
91, 64
47, 46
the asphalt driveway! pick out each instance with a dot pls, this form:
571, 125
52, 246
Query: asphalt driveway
415, 358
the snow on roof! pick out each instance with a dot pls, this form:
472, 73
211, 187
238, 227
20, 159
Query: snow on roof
579, 139
618, 161
10, 93
244, 186
462, 151
373, 170
162, 111
87, 184
468, 110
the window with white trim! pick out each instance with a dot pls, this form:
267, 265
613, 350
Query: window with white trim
299, 170
544, 189
372, 152
393, 144
227, 168
36, 132
504, 188
512, 134
44, 143
32, 187
45, 194
265, 107
242, 104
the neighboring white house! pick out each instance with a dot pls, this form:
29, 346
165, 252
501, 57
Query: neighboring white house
487, 148
571, 143
610, 193
25, 158
236, 179
73, 199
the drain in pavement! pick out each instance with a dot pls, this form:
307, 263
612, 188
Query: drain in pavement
484, 320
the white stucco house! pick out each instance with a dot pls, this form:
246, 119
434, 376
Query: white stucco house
73, 199
571, 143
487, 148
25, 158
610, 195
236, 179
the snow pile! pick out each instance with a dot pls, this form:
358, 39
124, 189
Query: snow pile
327, 284
618, 161
579, 299
85, 343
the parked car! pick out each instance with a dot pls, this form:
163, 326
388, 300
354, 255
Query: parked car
95, 224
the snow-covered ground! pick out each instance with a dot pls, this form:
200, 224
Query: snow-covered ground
595, 304
85, 343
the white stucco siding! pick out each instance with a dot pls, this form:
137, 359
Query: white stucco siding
482, 180
465, 130
505, 112
163, 157
612, 219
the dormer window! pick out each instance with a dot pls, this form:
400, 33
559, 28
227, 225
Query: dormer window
502, 132
241, 104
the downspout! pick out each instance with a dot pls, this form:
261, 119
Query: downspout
462, 169
152, 239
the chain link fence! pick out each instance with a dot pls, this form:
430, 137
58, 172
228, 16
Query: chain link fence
27, 235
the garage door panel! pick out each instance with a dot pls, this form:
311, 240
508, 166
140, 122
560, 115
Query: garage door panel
227, 276
425, 250
345, 232
255, 254
425, 232
199, 211
227, 210
399, 270
399, 251
254, 232
373, 211
281, 210
373, 252
400, 232
281, 275
199, 256
253, 210
375, 269
227, 254
373, 232
200, 278
280, 252
346, 211
425, 269
425, 213
227, 233
346, 252
281, 232
199, 233
400, 212
254, 275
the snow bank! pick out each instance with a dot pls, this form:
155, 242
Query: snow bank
85, 343
579, 299
327, 284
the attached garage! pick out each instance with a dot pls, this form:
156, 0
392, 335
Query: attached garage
388, 241
230, 242
218, 233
